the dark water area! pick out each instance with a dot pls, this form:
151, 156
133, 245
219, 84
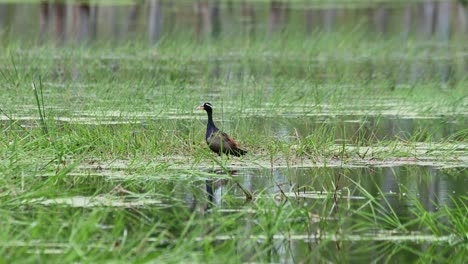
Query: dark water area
401, 186
361, 129
352, 129
400, 190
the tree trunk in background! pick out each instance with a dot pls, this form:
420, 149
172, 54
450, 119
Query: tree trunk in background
171, 14
215, 19
60, 21
463, 17
442, 30
443, 20
7, 15
203, 19
275, 16
381, 15
329, 17
131, 21
19, 12
248, 18
44, 21
93, 22
83, 13
114, 33
155, 21
426, 22
286, 10
407, 18
310, 17
431, 17
205, 16
3, 15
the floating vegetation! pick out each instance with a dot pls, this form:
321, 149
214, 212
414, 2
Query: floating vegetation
96, 201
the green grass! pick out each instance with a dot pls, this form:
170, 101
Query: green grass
106, 158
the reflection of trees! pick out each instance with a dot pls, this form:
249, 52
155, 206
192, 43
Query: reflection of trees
52, 13
426, 21
426, 184
463, 16
6, 13
83, 25
310, 17
329, 17
390, 184
155, 20
132, 17
249, 15
80, 19
276, 19
381, 17
442, 27
44, 20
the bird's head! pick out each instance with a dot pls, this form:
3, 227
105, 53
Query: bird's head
206, 106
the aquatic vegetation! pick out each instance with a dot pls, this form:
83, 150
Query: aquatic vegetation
357, 150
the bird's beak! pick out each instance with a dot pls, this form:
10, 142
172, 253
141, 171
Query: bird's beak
201, 107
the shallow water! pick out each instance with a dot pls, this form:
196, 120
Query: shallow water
418, 171
419, 159
285, 126
400, 185
399, 190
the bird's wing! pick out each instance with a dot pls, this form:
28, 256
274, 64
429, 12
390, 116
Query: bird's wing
229, 141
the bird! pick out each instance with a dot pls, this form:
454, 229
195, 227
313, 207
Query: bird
218, 141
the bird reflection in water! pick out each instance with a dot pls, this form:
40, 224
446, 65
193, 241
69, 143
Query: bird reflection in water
214, 188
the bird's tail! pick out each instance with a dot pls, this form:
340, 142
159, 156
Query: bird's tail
238, 152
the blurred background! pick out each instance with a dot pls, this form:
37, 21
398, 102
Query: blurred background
151, 20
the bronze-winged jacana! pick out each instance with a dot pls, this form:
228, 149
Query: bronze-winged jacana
218, 141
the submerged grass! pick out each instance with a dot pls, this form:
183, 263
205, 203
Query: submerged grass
106, 157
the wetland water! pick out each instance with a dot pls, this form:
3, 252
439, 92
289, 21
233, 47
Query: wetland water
402, 189
415, 174
354, 118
